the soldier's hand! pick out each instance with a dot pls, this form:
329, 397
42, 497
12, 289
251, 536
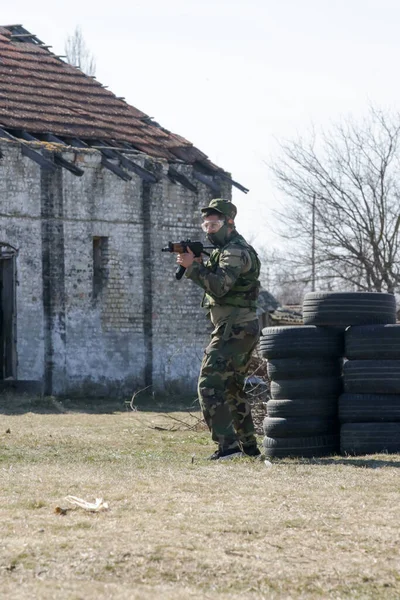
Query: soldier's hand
186, 259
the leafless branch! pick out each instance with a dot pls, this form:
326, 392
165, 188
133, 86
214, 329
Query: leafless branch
353, 172
78, 54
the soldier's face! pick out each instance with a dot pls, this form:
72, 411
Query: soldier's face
212, 223
217, 230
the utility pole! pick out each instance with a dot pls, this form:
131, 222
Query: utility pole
313, 246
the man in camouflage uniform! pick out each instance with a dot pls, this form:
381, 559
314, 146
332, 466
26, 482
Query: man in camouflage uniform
230, 282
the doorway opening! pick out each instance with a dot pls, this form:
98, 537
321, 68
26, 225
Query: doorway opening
8, 354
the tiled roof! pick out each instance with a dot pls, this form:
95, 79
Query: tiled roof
41, 94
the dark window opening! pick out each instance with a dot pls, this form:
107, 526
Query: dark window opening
100, 265
8, 354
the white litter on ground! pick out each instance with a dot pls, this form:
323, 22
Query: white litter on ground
97, 506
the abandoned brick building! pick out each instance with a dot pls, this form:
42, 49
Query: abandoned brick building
90, 190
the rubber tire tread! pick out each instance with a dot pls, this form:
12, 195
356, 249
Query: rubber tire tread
369, 438
298, 368
349, 308
307, 447
295, 427
368, 408
371, 376
373, 342
306, 388
301, 342
303, 407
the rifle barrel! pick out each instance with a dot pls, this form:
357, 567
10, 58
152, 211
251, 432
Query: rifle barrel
172, 246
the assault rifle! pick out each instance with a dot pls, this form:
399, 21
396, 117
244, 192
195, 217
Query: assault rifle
181, 247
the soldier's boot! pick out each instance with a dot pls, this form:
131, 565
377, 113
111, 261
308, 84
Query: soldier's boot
221, 454
252, 451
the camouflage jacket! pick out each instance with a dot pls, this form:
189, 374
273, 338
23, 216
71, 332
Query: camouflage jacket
230, 277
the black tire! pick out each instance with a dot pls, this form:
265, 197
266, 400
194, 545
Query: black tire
298, 368
313, 446
301, 342
312, 387
373, 341
295, 427
369, 438
303, 407
368, 408
371, 376
348, 308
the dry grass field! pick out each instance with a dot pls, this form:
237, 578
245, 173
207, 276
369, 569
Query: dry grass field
180, 527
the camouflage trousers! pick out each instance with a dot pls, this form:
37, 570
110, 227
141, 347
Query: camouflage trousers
223, 371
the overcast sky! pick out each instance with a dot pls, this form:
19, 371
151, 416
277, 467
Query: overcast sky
235, 77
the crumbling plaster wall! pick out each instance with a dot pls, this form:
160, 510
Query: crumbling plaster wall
144, 328
180, 327
20, 226
105, 343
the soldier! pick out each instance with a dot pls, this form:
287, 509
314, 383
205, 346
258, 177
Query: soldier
230, 282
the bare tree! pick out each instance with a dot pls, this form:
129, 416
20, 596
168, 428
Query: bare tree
78, 54
280, 275
289, 285
342, 206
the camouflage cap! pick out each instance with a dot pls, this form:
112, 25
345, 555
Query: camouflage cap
222, 206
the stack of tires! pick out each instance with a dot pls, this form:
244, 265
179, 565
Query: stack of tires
304, 368
369, 409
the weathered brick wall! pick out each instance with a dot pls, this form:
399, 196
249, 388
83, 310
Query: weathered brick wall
141, 327
180, 327
105, 345
20, 226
